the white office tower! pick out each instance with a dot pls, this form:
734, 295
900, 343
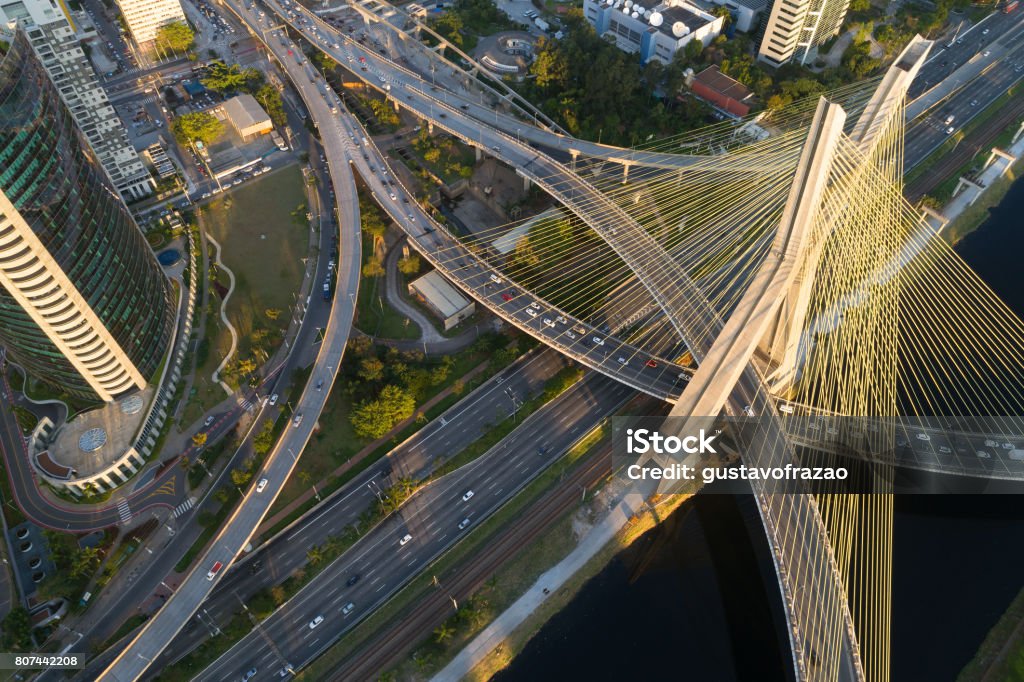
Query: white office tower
51, 31
796, 28
145, 17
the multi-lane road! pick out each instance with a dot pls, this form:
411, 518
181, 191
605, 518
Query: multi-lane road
281, 460
402, 545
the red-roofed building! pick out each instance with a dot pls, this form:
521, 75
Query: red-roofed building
722, 92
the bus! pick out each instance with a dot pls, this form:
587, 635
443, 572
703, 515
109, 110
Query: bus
1010, 6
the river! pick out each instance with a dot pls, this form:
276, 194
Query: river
695, 598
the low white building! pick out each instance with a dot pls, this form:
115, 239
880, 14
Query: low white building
247, 117
656, 29
443, 299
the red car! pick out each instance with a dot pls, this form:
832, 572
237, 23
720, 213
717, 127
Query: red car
506, 297
214, 570
362, 60
651, 363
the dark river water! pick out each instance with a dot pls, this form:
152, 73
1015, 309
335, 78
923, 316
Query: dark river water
696, 599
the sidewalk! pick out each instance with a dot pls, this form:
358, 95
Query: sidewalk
366, 451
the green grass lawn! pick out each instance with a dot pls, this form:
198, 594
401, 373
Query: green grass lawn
263, 244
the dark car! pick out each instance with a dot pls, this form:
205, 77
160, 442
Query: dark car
352, 580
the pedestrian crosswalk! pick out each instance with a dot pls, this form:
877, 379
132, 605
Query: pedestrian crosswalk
124, 511
246, 404
184, 507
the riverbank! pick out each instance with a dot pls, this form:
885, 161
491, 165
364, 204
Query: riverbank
973, 199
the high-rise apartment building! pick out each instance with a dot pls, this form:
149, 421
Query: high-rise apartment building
83, 303
145, 17
796, 27
52, 34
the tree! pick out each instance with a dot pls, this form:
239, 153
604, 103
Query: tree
199, 439
409, 265
17, 627
177, 37
432, 155
443, 633
222, 78
246, 366
240, 476
315, 555
272, 313
270, 99
551, 67
198, 126
264, 440
372, 419
278, 594
85, 561
371, 369
184, 463
373, 268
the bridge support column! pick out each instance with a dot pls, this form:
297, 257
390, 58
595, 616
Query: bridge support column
430, 128
625, 172
575, 155
526, 184
479, 154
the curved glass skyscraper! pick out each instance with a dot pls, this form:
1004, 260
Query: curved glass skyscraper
83, 302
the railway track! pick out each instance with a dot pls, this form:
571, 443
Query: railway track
979, 140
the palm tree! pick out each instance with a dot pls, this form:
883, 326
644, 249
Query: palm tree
443, 632
315, 555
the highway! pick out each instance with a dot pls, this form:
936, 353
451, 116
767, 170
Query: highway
382, 563
416, 458
629, 364
1004, 67
236, 532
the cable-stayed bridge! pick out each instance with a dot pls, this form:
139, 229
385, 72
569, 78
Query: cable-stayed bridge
791, 272
786, 274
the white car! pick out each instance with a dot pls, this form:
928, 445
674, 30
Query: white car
273, 400
561, 319
531, 312
990, 443
316, 621
570, 335
1008, 446
598, 340
923, 436
534, 304
623, 361
297, 420
348, 608
393, 197
786, 407
468, 496
463, 524
496, 279
262, 485
547, 322
984, 454
944, 450
404, 540
748, 410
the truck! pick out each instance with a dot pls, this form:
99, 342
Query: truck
278, 140
214, 570
541, 24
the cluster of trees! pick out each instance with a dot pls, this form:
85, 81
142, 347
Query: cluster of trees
383, 112
231, 80
597, 91
17, 630
467, 19
175, 37
197, 126
395, 380
442, 153
75, 565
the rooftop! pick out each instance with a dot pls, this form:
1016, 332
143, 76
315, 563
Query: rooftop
714, 79
244, 111
441, 293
